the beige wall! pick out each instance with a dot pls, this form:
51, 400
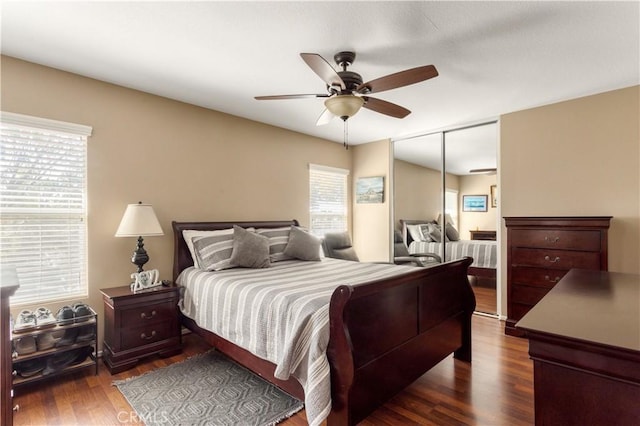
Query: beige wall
485, 221
580, 157
189, 162
418, 191
371, 222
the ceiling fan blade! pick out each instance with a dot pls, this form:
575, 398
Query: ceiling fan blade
324, 118
264, 98
384, 107
325, 71
399, 79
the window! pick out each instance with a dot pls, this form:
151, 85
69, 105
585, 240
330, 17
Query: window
43, 193
328, 199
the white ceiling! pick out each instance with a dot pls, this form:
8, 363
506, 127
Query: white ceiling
493, 57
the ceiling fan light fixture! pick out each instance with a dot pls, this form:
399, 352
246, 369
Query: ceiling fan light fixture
344, 106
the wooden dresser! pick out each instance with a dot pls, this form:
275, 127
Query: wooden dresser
584, 340
541, 250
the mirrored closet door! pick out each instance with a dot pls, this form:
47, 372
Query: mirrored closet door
445, 201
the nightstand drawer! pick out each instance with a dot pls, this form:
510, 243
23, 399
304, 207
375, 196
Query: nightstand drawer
143, 335
556, 239
149, 314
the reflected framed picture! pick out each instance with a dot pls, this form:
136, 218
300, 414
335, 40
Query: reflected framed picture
370, 190
494, 196
474, 203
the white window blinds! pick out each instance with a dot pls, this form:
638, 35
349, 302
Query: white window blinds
43, 231
328, 199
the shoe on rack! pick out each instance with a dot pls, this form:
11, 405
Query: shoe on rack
65, 315
44, 318
82, 312
25, 345
48, 340
69, 337
30, 367
86, 333
81, 355
26, 321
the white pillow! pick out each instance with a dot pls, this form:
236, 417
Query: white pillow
416, 232
188, 234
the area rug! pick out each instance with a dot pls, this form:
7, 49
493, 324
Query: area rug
207, 389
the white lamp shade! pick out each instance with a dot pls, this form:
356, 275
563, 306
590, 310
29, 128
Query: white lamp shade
344, 105
139, 220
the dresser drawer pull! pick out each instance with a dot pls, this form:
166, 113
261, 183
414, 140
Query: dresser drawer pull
555, 280
145, 337
556, 260
552, 239
145, 316
16, 407
14, 373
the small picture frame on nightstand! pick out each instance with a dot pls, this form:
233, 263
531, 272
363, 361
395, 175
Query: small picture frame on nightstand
145, 279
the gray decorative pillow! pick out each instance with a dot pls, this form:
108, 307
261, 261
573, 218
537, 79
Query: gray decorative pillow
278, 240
302, 245
434, 233
250, 250
213, 252
451, 233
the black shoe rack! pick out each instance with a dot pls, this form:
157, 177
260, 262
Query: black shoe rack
74, 348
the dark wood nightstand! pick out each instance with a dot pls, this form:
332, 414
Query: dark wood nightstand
483, 235
139, 324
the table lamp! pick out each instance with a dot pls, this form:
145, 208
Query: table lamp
139, 220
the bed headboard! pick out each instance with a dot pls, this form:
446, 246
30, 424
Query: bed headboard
181, 256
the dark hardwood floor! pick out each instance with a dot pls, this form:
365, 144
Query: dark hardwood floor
486, 297
497, 389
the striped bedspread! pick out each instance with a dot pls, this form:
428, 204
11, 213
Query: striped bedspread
280, 314
484, 253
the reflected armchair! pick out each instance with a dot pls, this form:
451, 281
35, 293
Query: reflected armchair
338, 246
401, 255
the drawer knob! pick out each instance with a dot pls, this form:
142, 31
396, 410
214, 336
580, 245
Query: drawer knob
145, 316
151, 336
555, 280
555, 260
14, 373
16, 407
552, 240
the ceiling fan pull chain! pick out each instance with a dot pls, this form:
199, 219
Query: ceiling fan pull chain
346, 134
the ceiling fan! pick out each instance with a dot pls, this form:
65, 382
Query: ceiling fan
346, 93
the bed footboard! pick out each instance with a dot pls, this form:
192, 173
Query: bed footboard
386, 334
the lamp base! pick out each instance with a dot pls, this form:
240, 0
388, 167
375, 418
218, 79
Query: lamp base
140, 256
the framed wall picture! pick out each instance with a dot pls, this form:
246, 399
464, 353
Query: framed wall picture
494, 196
370, 190
474, 203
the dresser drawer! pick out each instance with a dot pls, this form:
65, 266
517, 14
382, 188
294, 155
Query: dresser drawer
143, 335
555, 259
556, 239
527, 295
148, 314
538, 277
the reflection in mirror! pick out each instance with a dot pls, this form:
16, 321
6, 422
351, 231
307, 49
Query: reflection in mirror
423, 196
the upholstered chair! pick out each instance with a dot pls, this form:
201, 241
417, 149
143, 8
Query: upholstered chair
338, 246
401, 255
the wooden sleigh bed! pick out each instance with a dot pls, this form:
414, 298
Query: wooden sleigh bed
384, 334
